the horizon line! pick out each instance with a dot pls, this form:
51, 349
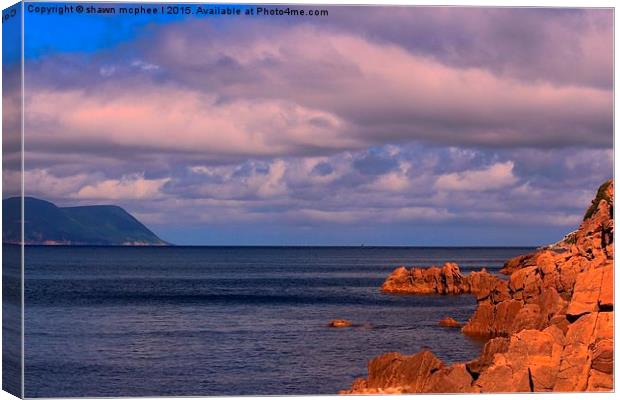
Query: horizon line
280, 245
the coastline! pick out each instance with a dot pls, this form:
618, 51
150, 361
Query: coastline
549, 326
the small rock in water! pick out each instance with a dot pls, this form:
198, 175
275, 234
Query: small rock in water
340, 323
449, 322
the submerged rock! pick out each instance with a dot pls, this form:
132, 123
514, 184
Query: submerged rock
340, 323
450, 322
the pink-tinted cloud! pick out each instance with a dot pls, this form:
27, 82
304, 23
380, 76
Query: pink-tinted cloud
493, 177
132, 187
392, 95
562, 46
398, 118
174, 120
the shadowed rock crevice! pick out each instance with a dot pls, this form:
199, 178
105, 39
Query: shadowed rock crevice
549, 324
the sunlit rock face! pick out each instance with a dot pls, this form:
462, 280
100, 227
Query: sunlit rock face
549, 325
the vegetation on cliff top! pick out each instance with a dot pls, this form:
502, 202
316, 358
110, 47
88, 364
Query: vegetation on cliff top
601, 194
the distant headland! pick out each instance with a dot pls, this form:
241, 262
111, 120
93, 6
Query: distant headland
97, 225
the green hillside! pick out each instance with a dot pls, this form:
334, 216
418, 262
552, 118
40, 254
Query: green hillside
45, 223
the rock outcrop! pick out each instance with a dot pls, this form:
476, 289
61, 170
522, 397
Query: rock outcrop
340, 323
449, 322
396, 373
447, 279
549, 325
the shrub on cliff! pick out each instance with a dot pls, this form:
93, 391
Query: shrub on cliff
601, 194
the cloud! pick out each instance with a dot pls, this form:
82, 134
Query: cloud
193, 122
410, 97
107, 71
392, 182
257, 93
400, 215
40, 182
496, 176
381, 118
128, 187
270, 184
249, 181
284, 193
144, 66
560, 46
398, 179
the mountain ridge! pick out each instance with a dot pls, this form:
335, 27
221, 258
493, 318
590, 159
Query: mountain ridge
48, 224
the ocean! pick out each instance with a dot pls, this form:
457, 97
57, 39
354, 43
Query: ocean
173, 321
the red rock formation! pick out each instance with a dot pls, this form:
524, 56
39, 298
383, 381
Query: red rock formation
340, 323
550, 324
396, 373
445, 280
555, 287
450, 322
513, 264
439, 280
491, 347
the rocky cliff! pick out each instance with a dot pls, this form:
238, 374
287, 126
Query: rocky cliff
549, 325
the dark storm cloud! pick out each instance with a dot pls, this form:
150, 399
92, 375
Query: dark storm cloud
559, 45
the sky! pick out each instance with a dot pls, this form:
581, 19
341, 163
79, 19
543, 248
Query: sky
373, 125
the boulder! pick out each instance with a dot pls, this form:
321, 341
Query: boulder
528, 317
529, 364
491, 320
575, 359
500, 292
518, 278
449, 322
409, 373
452, 279
452, 379
480, 323
586, 293
340, 323
517, 263
506, 315
568, 275
551, 304
491, 347
545, 260
482, 284
499, 378
399, 280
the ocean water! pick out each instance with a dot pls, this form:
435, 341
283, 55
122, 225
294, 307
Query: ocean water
112, 321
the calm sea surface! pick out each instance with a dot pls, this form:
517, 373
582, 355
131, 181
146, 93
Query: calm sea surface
107, 321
